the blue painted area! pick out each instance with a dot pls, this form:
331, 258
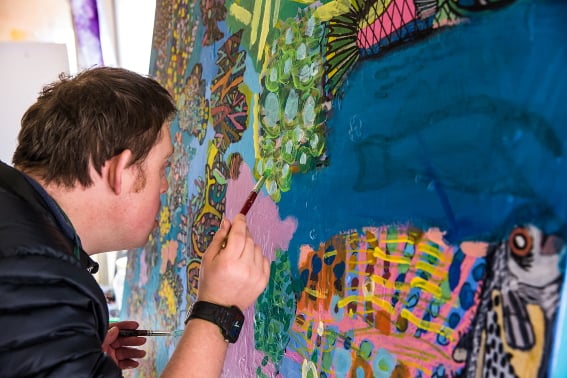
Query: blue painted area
290, 369
464, 131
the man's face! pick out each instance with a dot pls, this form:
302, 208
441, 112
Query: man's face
143, 198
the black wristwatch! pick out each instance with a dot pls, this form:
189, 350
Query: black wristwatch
229, 319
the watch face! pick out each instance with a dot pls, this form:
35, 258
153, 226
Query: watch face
235, 326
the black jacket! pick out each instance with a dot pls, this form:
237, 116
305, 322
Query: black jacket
53, 314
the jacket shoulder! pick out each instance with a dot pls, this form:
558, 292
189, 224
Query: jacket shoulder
23, 224
53, 308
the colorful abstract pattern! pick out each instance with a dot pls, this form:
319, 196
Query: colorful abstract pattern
193, 105
414, 207
229, 107
388, 301
276, 308
213, 12
291, 131
210, 214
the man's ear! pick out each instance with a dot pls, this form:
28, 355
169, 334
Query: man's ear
117, 168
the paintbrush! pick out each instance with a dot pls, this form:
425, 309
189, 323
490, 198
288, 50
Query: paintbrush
252, 196
249, 202
147, 332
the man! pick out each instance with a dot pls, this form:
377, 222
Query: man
90, 167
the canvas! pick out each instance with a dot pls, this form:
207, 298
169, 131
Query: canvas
414, 206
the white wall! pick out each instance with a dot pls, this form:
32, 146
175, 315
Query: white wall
134, 33
21, 78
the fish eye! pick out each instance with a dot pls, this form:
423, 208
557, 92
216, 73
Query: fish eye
520, 241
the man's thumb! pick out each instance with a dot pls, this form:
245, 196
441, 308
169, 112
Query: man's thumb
221, 236
111, 336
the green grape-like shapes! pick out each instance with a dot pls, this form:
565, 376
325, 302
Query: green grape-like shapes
284, 178
301, 52
265, 167
284, 66
267, 147
305, 160
273, 190
316, 143
298, 134
308, 114
291, 136
302, 75
291, 107
288, 150
271, 80
309, 27
271, 114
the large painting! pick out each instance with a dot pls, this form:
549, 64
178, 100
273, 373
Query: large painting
414, 208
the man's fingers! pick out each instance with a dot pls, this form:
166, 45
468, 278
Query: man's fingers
220, 239
128, 364
235, 238
111, 337
125, 353
128, 341
125, 324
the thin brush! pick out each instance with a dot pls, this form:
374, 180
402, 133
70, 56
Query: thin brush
147, 332
252, 196
249, 202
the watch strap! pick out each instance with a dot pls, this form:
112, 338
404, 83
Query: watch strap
228, 318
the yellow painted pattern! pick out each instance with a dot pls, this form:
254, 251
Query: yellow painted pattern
332, 9
427, 286
379, 253
240, 13
166, 292
526, 363
386, 306
164, 221
428, 326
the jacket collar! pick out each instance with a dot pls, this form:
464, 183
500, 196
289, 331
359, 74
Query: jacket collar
33, 193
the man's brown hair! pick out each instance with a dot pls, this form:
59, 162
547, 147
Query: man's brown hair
89, 118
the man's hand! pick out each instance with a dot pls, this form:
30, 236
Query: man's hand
237, 273
118, 348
